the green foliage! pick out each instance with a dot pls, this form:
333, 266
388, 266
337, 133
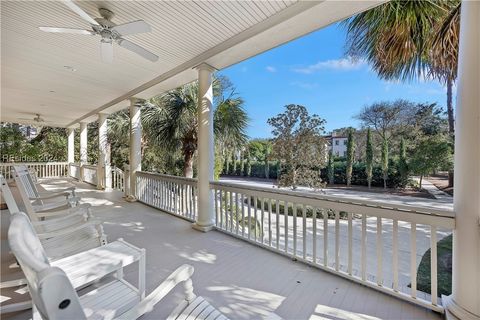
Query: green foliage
402, 162
218, 166
170, 120
444, 268
384, 162
350, 156
299, 145
331, 169
431, 154
359, 176
369, 158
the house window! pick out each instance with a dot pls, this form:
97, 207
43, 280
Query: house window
344, 142
336, 142
344, 153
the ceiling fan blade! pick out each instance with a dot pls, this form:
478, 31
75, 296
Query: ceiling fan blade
66, 30
107, 51
133, 27
80, 12
137, 49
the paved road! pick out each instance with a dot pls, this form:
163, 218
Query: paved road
444, 203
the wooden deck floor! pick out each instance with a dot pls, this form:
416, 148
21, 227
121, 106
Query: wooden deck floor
243, 281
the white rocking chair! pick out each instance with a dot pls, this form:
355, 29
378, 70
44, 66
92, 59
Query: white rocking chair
75, 230
54, 296
68, 191
29, 193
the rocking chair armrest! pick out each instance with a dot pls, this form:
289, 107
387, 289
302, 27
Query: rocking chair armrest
61, 210
68, 230
181, 274
45, 196
80, 211
70, 190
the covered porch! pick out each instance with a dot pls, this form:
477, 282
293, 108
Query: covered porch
244, 265
242, 280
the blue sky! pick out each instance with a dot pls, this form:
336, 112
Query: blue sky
313, 71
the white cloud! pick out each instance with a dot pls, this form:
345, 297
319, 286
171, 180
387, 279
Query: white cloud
343, 64
304, 85
271, 69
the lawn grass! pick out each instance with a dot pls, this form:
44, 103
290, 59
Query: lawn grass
444, 268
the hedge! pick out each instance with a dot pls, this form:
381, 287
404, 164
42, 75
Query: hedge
359, 177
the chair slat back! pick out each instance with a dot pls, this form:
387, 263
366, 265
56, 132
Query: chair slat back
52, 292
24, 174
25, 198
8, 196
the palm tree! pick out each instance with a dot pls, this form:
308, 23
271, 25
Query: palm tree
407, 39
170, 120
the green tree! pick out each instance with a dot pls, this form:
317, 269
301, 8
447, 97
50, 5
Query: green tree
171, 120
299, 145
402, 161
369, 158
407, 39
350, 157
260, 150
331, 168
385, 163
431, 154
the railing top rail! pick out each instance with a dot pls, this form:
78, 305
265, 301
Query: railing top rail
4, 164
167, 177
90, 166
426, 210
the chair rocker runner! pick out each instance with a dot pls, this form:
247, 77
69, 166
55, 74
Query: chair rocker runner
54, 296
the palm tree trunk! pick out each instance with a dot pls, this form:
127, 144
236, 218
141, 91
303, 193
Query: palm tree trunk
451, 120
188, 166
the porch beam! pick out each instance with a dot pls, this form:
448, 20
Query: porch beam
205, 215
135, 144
464, 303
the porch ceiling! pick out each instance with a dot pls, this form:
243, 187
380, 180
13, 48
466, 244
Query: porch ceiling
184, 34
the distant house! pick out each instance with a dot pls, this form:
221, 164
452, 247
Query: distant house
337, 143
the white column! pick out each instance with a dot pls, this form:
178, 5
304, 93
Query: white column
205, 216
71, 145
135, 144
464, 303
83, 142
83, 147
103, 166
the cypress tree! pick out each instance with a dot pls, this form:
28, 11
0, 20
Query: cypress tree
385, 162
350, 156
369, 158
331, 169
227, 163
402, 165
242, 163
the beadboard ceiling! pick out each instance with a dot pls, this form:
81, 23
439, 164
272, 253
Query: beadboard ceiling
36, 75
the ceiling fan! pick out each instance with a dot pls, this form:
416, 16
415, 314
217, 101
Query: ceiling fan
37, 119
109, 31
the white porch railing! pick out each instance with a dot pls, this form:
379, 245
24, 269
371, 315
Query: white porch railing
118, 179
89, 174
175, 195
75, 170
42, 169
378, 245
